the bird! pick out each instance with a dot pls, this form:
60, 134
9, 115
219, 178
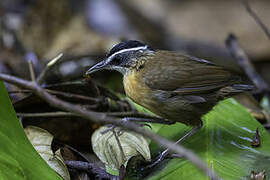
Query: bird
173, 85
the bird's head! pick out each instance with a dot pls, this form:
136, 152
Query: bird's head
122, 57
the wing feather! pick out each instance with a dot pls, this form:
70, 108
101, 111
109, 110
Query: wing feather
184, 74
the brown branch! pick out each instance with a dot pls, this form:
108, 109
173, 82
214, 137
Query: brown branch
130, 116
62, 113
47, 114
256, 18
75, 96
64, 94
104, 119
19, 91
240, 56
91, 168
32, 71
77, 152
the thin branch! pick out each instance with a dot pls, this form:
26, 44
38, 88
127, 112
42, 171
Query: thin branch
256, 18
63, 145
47, 114
77, 152
32, 71
19, 91
149, 119
243, 61
104, 119
91, 168
64, 94
75, 96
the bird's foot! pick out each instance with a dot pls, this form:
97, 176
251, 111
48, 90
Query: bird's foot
166, 154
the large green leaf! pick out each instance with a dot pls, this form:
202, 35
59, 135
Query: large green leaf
18, 158
224, 143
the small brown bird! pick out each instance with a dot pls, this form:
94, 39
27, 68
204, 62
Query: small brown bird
175, 86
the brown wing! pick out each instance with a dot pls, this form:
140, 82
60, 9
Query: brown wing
183, 74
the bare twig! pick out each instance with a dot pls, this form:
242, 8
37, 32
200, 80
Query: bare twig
19, 91
243, 61
32, 71
75, 96
77, 152
256, 18
64, 94
63, 145
149, 119
91, 168
104, 119
63, 114
47, 114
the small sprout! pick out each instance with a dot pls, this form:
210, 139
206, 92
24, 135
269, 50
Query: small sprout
256, 139
54, 60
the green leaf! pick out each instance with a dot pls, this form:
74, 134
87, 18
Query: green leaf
18, 158
224, 143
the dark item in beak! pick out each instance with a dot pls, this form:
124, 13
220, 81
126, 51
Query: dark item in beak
99, 66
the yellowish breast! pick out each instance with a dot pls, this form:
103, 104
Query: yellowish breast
135, 88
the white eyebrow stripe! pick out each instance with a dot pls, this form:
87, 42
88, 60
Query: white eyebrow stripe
126, 50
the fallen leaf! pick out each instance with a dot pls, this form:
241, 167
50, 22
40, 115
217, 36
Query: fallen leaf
42, 140
115, 153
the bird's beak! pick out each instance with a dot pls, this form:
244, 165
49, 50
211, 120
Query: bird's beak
97, 67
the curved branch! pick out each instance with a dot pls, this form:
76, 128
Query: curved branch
104, 119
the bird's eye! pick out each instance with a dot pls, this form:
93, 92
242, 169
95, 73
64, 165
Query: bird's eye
116, 61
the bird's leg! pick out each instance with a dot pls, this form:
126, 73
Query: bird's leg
165, 153
140, 120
